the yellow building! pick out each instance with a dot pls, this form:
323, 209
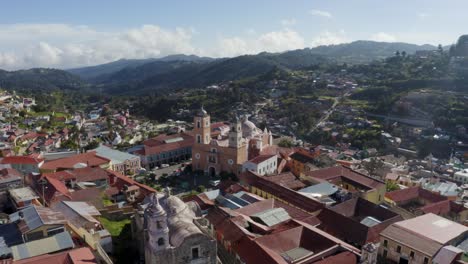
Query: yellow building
362, 185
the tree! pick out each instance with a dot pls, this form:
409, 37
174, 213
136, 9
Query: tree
391, 186
440, 49
373, 166
92, 145
285, 143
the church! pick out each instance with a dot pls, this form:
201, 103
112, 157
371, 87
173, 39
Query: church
224, 147
170, 231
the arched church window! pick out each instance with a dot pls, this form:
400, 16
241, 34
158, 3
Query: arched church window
198, 124
198, 139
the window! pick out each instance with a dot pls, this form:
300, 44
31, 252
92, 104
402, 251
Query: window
385, 243
384, 254
198, 124
195, 252
198, 139
426, 260
161, 241
398, 249
411, 254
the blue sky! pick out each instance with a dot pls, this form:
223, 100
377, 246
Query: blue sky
58, 33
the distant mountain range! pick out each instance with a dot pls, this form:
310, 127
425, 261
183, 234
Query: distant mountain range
189, 71
40, 79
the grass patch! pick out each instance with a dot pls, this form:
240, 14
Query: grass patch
114, 227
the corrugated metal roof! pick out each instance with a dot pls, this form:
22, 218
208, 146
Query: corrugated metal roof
370, 221
271, 216
324, 188
114, 155
296, 254
48, 245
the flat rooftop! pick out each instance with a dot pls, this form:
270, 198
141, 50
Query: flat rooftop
434, 227
23, 194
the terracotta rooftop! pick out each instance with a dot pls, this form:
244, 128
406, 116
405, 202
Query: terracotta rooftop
408, 194
342, 173
280, 191
163, 143
73, 256
88, 159
287, 180
20, 160
261, 158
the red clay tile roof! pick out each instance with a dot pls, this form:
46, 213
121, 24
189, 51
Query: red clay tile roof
408, 194
119, 180
60, 175
343, 173
443, 208
89, 174
20, 160
340, 258
261, 158
157, 145
282, 192
56, 186
88, 158
73, 256
287, 180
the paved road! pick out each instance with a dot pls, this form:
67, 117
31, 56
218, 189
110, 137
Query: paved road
329, 112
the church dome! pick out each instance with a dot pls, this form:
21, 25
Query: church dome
249, 129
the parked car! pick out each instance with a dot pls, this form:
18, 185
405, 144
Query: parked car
164, 165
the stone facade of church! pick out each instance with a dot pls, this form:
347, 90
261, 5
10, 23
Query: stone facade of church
226, 151
168, 232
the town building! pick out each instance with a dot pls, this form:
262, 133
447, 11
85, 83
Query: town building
262, 165
122, 162
416, 201
270, 231
214, 153
22, 197
71, 256
9, 179
169, 232
81, 219
23, 164
350, 180
418, 240
165, 149
302, 160
88, 159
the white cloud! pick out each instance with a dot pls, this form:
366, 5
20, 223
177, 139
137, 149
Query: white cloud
61, 45
288, 22
320, 13
383, 37
330, 38
275, 41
